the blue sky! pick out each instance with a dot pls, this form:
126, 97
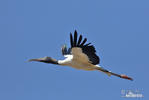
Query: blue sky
119, 29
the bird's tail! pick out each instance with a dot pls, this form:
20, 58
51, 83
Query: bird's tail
109, 73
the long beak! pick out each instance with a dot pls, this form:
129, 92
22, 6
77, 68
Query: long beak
38, 59
45, 60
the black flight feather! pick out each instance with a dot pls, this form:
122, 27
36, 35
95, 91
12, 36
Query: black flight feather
75, 38
83, 42
88, 49
71, 40
79, 41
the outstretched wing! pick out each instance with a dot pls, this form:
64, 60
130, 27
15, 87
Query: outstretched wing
65, 51
88, 50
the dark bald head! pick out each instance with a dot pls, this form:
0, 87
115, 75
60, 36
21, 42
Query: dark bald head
45, 60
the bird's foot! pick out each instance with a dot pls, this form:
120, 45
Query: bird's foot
126, 77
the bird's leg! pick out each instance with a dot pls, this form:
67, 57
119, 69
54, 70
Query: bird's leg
109, 73
121, 76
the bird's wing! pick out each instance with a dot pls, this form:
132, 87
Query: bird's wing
82, 50
65, 51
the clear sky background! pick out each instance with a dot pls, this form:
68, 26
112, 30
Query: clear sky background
119, 29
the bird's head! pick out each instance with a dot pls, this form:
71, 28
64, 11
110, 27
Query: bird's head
45, 60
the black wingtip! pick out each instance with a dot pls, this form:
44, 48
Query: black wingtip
71, 39
75, 39
64, 49
87, 44
75, 31
83, 42
79, 41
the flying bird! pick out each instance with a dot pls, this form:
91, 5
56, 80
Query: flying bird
80, 55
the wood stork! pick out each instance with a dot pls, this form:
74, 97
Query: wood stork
80, 56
